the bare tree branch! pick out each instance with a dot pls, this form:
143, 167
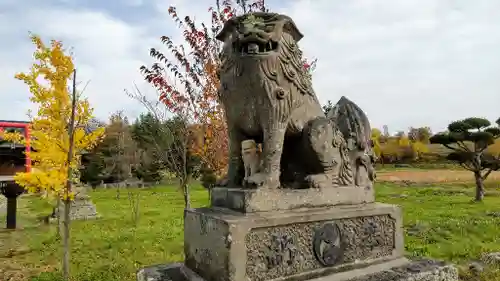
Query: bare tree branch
171, 141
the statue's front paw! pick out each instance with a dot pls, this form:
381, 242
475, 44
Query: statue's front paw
263, 180
320, 181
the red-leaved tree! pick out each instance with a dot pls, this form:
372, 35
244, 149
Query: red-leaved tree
187, 81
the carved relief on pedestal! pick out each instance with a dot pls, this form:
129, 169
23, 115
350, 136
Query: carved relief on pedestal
328, 246
281, 251
292, 249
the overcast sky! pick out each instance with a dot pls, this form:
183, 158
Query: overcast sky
405, 62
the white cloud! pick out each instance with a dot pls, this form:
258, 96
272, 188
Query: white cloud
108, 53
407, 62
412, 62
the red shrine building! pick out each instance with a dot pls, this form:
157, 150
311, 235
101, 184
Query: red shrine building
15, 158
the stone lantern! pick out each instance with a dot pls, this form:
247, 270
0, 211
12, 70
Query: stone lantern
11, 190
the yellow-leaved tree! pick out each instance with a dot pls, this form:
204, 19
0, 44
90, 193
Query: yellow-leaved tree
58, 130
419, 148
376, 135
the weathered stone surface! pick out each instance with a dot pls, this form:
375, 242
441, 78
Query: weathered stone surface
286, 250
264, 199
267, 96
491, 258
476, 268
167, 272
81, 208
207, 241
355, 127
396, 270
420, 270
223, 245
3, 205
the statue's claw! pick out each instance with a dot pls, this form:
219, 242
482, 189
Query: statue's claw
264, 180
320, 181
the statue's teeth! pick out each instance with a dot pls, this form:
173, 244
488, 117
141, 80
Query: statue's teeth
253, 48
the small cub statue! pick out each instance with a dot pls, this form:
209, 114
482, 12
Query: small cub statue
251, 158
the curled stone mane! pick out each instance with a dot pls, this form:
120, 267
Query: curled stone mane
291, 66
283, 71
286, 71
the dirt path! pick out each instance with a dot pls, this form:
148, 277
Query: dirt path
430, 176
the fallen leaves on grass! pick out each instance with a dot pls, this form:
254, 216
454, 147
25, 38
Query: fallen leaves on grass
12, 271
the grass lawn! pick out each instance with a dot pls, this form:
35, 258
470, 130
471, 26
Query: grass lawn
441, 222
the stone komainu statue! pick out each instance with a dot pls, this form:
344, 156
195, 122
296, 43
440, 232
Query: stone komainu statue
268, 97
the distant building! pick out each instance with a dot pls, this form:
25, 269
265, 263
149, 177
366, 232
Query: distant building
15, 157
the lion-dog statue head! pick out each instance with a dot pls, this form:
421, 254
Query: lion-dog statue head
265, 43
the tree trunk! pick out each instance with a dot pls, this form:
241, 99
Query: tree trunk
479, 187
58, 215
69, 183
185, 192
66, 234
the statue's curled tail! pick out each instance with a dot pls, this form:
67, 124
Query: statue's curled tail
355, 126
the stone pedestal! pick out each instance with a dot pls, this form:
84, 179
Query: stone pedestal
304, 244
418, 270
294, 235
263, 200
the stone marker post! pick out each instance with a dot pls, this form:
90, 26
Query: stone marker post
81, 207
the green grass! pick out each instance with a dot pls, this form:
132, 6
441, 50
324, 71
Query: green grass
441, 222
445, 223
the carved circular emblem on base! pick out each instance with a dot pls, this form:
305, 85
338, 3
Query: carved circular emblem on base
327, 244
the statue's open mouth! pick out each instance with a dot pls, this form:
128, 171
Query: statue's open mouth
256, 47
